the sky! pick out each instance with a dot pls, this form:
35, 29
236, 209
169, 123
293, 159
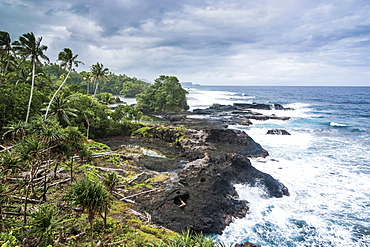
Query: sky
218, 42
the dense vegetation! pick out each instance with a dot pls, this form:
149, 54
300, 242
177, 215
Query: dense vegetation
57, 186
166, 94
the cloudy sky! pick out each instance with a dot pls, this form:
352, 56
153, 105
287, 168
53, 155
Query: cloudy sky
219, 42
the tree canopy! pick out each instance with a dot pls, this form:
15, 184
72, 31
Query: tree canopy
166, 94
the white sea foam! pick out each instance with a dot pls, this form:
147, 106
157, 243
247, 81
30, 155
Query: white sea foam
203, 99
326, 172
321, 187
334, 124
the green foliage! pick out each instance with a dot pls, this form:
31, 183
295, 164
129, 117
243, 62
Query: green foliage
8, 240
91, 196
14, 109
45, 224
126, 112
98, 74
144, 132
67, 61
167, 134
166, 94
97, 147
106, 98
111, 180
132, 87
187, 239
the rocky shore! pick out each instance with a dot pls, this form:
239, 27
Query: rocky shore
202, 168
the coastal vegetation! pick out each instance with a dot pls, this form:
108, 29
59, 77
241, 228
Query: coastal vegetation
58, 187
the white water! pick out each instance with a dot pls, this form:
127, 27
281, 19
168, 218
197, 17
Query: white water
326, 173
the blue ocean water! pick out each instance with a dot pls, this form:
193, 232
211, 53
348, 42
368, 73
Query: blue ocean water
325, 163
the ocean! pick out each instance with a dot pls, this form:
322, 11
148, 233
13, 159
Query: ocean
325, 163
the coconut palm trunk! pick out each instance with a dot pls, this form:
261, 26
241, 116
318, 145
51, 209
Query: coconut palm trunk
67, 60
30, 47
31, 93
56, 92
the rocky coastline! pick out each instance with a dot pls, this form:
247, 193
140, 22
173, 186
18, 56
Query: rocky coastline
202, 168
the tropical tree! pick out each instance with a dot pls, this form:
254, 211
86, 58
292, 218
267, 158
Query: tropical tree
166, 94
31, 151
5, 49
50, 134
98, 74
132, 87
9, 163
73, 143
67, 61
44, 224
110, 181
126, 112
91, 196
30, 47
17, 130
106, 98
60, 110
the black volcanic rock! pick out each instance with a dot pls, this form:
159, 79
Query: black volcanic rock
253, 106
277, 132
208, 162
202, 196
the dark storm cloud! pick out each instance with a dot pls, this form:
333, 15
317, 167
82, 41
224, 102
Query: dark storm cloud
234, 41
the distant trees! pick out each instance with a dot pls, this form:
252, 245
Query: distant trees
133, 87
166, 94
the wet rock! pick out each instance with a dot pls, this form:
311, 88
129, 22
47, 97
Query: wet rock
253, 106
277, 132
202, 196
224, 141
247, 244
199, 193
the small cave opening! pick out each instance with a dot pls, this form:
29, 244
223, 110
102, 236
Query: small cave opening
181, 200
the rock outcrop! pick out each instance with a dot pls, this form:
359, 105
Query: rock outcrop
219, 141
277, 132
201, 196
206, 163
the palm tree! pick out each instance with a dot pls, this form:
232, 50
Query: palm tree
60, 111
106, 98
9, 163
110, 181
98, 73
67, 60
5, 49
51, 135
30, 47
45, 221
73, 141
31, 151
17, 130
91, 196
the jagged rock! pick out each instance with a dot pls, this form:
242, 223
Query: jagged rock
277, 132
219, 107
247, 244
204, 111
253, 106
202, 196
225, 140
